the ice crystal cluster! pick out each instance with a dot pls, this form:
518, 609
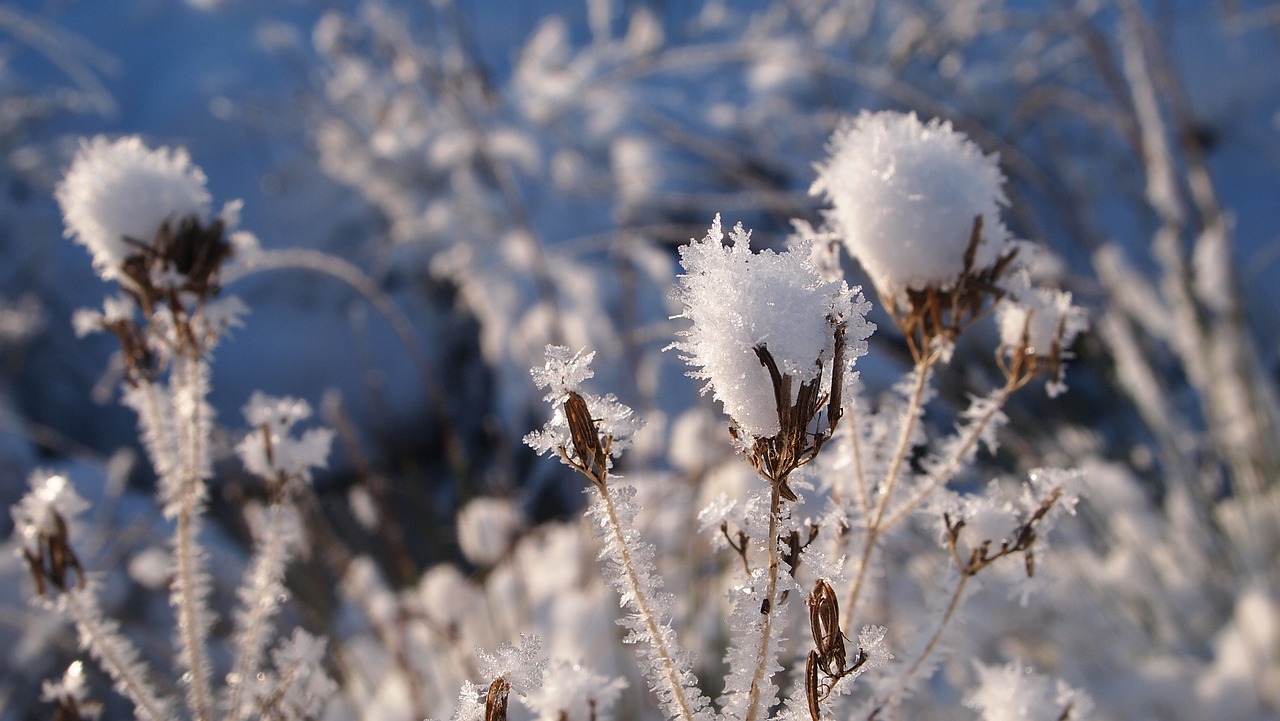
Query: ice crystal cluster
738, 301
905, 195
271, 450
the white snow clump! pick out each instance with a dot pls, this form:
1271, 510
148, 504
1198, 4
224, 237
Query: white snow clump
737, 300
904, 196
121, 190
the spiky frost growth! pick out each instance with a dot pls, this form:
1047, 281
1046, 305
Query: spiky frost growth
283, 461
298, 687
117, 194
270, 451
101, 637
1014, 693
510, 668
904, 197
752, 657
585, 431
738, 302
573, 692
630, 570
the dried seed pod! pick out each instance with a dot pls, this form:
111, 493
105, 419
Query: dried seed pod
811, 685
824, 623
586, 438
495, 702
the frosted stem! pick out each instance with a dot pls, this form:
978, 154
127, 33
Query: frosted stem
259, 602
118, 657
188, 591
640, 603
768, 610
905, 679
948, 469
909, 416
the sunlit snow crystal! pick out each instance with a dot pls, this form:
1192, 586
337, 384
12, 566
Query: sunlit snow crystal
121, 189
737, 300
51, 495
904, 195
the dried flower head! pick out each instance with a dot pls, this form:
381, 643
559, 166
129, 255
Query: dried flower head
1037, 328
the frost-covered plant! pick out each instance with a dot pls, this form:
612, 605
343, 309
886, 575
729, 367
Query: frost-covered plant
585, 432
142, 213
775, 344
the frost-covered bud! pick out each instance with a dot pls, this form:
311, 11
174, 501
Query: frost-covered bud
1037, 328
45, 509
270, 451
70, 694
521, 666
739, 302
118, 191
904, 196
486, 529
1042, 317
40, 520
585, 430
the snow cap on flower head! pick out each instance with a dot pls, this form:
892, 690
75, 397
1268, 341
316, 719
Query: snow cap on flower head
738, 301
121, 190
904, 196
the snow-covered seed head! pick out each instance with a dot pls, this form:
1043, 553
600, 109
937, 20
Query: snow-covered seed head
585, 430
762, 320
904, 195
40, 521
118, 193
272, 451
1037, 328
918, 205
